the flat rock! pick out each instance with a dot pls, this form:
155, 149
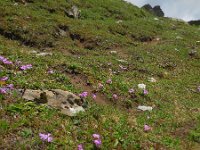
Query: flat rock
67, 102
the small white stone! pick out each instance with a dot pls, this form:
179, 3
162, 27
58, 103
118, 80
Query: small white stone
145, 108
142, 86
152, 79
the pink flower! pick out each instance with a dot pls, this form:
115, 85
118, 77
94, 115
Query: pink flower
109, 81
83, 95
147, 128
25, 67
115, 96
131, 91
10, 86
4, 78
46, 137
100, 86
94, 96
50, 71
3, 90
97, 143
96, 136
80, 147
97, 140
145, 92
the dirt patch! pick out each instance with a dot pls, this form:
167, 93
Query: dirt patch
82, 82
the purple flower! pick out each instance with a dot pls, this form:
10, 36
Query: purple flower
10, 86
100, 86
46, 137
3, 90
145, 92
97, 143
2, 58
115, 96
83, 95
147, 128
4, 78
97, 140
25, 67
96, 136
109, 81
131, 91
80, 147
50, 71
7, 62
94, 96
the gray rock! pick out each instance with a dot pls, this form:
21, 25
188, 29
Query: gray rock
74, 12
67, 102
154, 10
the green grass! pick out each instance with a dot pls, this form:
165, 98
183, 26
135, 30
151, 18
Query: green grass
35, 26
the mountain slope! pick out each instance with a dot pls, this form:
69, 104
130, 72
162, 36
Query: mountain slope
110, 40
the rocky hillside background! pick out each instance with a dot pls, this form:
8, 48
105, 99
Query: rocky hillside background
97, 74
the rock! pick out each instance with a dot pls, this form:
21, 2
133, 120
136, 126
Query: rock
154, 10
145, 108
113, 52
194, 22
152, 79
74, 12
193, 53
44, 54
67, 102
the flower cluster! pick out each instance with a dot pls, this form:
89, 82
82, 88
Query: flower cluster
97, 140
5, 60
26, 67
6, 89
46, 137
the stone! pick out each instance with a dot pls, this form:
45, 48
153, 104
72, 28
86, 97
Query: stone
74, 12
67, 102
44, 54
157, 11
145, 108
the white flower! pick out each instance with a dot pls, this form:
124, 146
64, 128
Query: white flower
142, 86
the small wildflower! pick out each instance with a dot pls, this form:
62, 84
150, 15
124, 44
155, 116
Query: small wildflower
100, 86
4, 78
46, 137
142, 86
145, 92
97, 140
94, 96
10, 86
80, 147
3, 90
109, 81
131, 91
83, 95
97, 143
115, 96
147, 128
96, 136
25, 67
50, 71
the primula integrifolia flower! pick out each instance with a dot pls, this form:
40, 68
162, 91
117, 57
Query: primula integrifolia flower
145, 92
147, 128
3, 90
97, 140
25, 67
94, 96
97, 143
131, 91
115, 96
4, 78
109, 81
50, 71
5, 60
46, 137
100, 86
10, 86
80, 147
142, 86
83, 95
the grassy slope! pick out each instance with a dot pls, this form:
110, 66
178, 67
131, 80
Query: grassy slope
175, 118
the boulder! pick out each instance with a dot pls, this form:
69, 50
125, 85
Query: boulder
74, 12
67, 102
